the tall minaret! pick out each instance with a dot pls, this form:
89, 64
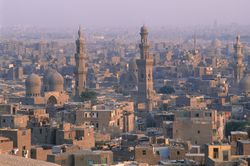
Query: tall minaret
238, 59
81, 66
145, 72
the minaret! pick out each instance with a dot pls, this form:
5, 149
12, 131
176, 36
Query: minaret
81, 66
145, 72
194, 42
238, 59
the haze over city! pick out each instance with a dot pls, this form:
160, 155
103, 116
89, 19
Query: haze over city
122, 13
124, 82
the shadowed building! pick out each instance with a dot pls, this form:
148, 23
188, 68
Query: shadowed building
129, 79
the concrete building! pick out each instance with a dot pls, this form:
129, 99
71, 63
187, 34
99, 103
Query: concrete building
6, 145
147, 154
191, 101
82, 157
76, 135
243, 147
40, 152
13, 121
83, 136
198, 126
21, 140
220, 154
105, 118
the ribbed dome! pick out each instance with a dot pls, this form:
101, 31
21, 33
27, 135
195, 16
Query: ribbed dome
245, 84
33, 85
55, 81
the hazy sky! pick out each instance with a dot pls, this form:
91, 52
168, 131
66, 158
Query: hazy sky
123, 13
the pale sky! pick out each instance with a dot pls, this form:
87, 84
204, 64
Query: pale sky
123, 13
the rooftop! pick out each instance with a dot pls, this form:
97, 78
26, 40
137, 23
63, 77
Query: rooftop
17, 161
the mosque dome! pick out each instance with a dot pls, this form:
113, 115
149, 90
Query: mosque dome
245, 84
55, 81
33, 85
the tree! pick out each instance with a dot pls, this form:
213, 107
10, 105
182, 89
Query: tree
88, 96
164, 107
236, 126
167, 90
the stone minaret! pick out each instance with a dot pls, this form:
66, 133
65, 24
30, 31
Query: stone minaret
81, 66
238, 59
145, 72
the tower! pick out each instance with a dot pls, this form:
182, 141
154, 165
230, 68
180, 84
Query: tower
145, 72
81, 66
238, 59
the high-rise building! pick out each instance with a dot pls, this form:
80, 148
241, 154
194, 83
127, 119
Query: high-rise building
238, 58
145, 72
81, 66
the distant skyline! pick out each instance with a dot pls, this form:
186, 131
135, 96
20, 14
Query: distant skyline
123, 13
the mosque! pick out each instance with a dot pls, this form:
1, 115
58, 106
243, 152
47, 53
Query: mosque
48, 92
129, 79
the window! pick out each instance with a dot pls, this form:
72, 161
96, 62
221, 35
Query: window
144, 152
41, 130
157, 152
63, 162
90, 162
225, 155
14, 110
198, 132
178, 152
216, 153
197, 115
23, 132
104, 160
4, 120
208, 114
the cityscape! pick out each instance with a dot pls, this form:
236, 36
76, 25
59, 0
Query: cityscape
124, 83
